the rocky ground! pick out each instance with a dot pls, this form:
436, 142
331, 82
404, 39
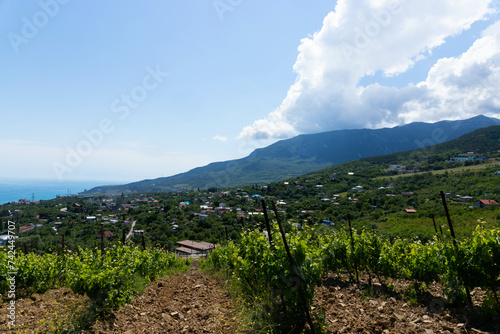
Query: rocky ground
181, 303
352, 308
195, 302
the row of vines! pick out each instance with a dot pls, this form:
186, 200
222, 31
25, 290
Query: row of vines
265, 280
109, 281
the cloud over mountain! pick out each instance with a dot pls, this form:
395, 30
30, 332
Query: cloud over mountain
365, 37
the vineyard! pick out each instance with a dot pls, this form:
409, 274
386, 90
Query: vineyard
279, 294
275, 274
109, 279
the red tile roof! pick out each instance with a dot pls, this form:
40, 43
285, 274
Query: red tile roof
26, 228
488, 202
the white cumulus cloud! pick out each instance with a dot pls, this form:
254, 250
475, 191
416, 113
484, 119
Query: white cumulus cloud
363, 37
220, 138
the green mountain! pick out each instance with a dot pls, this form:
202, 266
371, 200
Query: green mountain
306, 153
482, 142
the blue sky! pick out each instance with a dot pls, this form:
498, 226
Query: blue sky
121, 91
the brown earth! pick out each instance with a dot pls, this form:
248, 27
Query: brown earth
349, 308
195, 302
182, 303
47, 313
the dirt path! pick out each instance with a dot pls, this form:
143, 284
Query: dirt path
198, 303
129, 234
182, 303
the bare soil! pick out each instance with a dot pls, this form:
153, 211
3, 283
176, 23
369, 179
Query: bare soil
182, 303
351, 308
195, 302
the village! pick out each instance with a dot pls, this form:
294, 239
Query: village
204, 219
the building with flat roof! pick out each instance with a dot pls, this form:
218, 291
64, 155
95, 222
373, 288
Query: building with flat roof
194, 248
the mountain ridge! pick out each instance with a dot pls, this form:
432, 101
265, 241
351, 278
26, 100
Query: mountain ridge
309, 152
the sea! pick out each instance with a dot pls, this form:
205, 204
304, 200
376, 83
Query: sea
14, 190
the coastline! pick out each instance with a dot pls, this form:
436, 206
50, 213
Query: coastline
12, 190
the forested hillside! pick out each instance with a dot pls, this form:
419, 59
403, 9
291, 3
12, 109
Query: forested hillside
306, 153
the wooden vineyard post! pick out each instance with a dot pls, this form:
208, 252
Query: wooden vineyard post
268, 227
435, 227
352, 248
467, 291
62, 245
102, 244
450, 225
143, 242
123, 236
227, 238
270, 238
294, 269
25, 249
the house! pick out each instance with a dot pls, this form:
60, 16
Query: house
410, 211
466, 199
459, 159
139, 232
194, 248
91, 218
358, 189
407, 193
4, 240
184, 251
497, 172
397, 167
106, 234
26, 228
485, 202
